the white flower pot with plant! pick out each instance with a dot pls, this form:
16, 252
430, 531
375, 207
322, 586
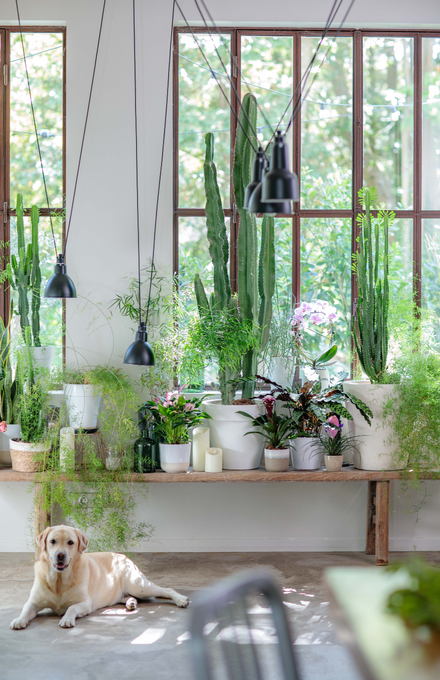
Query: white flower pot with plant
82, 399
371, 265
279, 355
332, 443
43, 356
28, 453
305, 455
276, 431
173, 416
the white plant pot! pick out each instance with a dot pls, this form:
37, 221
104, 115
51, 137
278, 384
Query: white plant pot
281, 372
334, 463
305, 454
374, 451
12, 432
276, 460
174, 457
82, 405
228, 429
43, 356
324, 377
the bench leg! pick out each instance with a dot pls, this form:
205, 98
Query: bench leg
382, 522
370, 547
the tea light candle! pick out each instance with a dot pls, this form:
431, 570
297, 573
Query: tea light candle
213, 460
67, 447
199, 446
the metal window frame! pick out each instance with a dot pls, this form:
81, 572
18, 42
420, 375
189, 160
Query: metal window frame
417, 214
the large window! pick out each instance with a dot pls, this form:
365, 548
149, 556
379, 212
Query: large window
371, 116
21, 172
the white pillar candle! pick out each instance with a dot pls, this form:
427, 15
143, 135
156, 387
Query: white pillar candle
199, 446
213, 460
67, 447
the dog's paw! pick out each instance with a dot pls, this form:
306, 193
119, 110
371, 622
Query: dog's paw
131, 604
181, 601
67, 621
18, 624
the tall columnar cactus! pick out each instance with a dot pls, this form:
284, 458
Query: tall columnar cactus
256, 272
9, 387
371, 267
23, 273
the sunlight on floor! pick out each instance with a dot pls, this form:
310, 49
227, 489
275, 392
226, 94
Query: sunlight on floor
149, 636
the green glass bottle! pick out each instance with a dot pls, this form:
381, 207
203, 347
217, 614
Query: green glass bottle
145, 452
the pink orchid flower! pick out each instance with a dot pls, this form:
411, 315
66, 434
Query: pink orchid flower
334, 420
3, 426
332, 432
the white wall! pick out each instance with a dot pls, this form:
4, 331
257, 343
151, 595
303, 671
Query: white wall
101, 252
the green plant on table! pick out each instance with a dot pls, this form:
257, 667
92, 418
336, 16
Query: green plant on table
10, 387
275, 429
32, 422
332, 441
371, 266
174, 416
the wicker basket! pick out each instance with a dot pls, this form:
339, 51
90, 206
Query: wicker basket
22, 455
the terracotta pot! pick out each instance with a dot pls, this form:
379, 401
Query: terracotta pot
334, 463
276, 460
23, 455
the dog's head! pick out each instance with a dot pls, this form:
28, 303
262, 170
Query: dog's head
62, 544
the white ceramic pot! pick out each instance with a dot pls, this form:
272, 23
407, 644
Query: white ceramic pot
82, 405
12, 432
374, 451
334, 463
23, 455
174, 457
281, 371
276, 460
228, 429
43, 356
305, 454
324, 377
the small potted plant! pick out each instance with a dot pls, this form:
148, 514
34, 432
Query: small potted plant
276, 430
173, 417
334, 443
27, 452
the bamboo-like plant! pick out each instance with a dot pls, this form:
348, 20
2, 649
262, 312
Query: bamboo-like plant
371, 266
9, 386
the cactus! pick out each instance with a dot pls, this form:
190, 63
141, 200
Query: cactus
370, 319
10, 391
256, 273
24, 274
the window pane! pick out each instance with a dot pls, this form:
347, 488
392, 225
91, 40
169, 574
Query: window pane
44, 57
326, 275
431, 124
431, 269
202, 109
326, 125
51, 311
388, 119
266, 64
401, 266
282, 300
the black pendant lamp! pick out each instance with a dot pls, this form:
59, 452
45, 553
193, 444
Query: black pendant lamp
140, 352
60, 285
257, 176
279, 184
256, 205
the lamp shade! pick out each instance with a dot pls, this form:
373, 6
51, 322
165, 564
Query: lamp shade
140, 353
256, 205
257, 176
279, 184
60, 285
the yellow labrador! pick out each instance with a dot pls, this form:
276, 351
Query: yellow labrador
74, 583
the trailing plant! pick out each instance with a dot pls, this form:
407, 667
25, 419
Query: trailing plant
10, 386
174, 415
32, 422
371, 266
332, 441
417, 604
310, 407
275, 429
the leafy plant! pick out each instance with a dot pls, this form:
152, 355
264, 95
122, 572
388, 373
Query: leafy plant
174, 416
275, 429
32, 422
419, 603
371, 265
332, 441
10, 388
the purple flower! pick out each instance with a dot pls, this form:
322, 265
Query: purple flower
334, 420
268, 401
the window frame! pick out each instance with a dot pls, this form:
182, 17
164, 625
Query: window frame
416, 214
5, 199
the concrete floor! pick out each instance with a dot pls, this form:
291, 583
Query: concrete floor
151, 642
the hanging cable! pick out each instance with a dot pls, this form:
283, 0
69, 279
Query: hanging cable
85, 126
170, 52
35, 129
136, 162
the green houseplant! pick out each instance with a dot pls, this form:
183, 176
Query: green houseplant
10, 392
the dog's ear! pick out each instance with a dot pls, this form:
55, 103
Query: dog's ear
42, 538
83, 541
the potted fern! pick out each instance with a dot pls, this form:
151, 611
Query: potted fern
371, 337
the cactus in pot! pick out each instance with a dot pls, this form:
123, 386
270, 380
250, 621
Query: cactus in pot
371, 265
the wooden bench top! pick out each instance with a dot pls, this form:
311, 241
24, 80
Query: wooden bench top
347, 474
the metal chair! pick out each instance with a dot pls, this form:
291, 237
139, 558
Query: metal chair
226, 644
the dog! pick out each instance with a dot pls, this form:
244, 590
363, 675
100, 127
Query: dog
74, 584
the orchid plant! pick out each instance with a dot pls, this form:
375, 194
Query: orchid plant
333, 441
320, 317
174, 415
275, 429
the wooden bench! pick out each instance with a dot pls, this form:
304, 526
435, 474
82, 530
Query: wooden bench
377, 541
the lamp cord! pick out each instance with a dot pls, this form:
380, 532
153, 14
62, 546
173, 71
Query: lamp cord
137, 163
85, 125
35, 128
161, 160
